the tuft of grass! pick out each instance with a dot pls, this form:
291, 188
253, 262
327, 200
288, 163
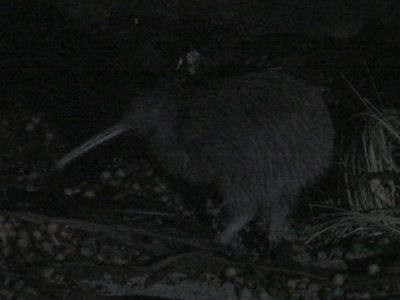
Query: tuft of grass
370, 170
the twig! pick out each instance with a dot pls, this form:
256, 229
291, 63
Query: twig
113, 230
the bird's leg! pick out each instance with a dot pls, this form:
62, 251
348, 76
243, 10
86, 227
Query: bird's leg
233, 228
278, 215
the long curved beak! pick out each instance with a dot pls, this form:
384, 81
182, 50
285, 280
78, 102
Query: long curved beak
93, 142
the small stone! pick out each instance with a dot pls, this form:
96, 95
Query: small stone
23, 241
160, 188
338, 279
33, 175
6, 251
18, 285
230, 272
384, 241
111, 259
120, 173
68, 191
48, 273
295, 295
164, 198
337, 252
114, 183
292, 283
313, 288
50, 136
263, 295
11, 233
69, 249
86, 251
47, 247
31, 188
36, 119
136, 186
325, 294
90, 194
37, 235
365, 295
52, 228
30, 258
8, 226
60, 256
322, 255
245, 294
373, 269
29, 127
338, 292
212, 279
106, 175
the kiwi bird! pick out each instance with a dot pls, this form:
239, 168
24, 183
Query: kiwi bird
257, 137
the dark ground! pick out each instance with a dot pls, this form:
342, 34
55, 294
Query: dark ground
83, 233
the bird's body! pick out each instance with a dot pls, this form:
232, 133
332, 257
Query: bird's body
259, 138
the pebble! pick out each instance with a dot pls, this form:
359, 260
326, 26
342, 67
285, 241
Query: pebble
373, 269
69, 250
8, 226
18, 285
68, 191
31, 188
30, 258
292, 283
48, 273
384, 241
60, 256
365, 295
65, 233
114, 183
90, 194
136, 186
326, 294
338, 292
50, 136
47, 247
263, 295
313, 288
106, 174
322, 255
164, 198
212, 279
23, 241
120, 173
86, 251
37, 235
36, 119
29, 126
11, 233
338, 279
337, 252
52, 228
245, 294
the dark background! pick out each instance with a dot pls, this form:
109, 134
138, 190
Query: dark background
80, 61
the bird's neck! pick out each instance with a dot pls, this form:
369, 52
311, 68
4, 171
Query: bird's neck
169, 150
164, 138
